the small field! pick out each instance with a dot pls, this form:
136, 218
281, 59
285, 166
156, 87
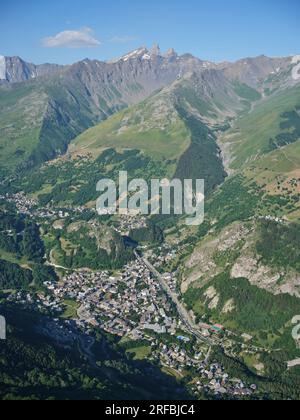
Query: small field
140, 353
6, 256
71, 308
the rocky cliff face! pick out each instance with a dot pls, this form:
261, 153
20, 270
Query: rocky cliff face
255, 71
15, 70
140, 63
133, 77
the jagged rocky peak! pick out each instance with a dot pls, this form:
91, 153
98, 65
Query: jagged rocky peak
155, 51
141, 53
145, 54
171, 53
16, 70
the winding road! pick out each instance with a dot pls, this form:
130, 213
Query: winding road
183, 313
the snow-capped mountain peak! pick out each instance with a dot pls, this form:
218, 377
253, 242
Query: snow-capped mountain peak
140, 52
296, 59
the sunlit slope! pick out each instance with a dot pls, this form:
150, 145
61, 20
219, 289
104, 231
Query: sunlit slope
256, 133
154, 126
278, 175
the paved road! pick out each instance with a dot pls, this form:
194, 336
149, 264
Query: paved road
183, 313
59, 267
51, 263
293, 363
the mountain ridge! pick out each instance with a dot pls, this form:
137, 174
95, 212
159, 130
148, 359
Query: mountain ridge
32, 70
67, 100
16, 70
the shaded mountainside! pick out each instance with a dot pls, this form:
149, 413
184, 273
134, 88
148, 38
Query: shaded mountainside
33, 367
202, 159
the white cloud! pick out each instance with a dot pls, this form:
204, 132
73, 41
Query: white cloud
81, 38
122, 39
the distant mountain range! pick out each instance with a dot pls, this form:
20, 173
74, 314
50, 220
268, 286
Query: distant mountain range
249, 70
44, 107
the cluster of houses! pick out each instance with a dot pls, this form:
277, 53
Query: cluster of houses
29, 206
127, 223
214, 380
129, 304
23, 203
175, 356
131, 301
270, 218
44, 303
162, 255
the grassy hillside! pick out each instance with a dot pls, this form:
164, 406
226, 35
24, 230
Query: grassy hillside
22, 111
277, 174
251, 134
158, 125
246, 92
153, 127
39, 118
172, 126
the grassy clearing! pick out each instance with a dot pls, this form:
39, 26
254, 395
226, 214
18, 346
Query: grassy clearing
71, 308
251, 360
172, 372
6, 256
140, 353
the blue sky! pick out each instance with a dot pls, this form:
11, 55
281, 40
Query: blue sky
66, 31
